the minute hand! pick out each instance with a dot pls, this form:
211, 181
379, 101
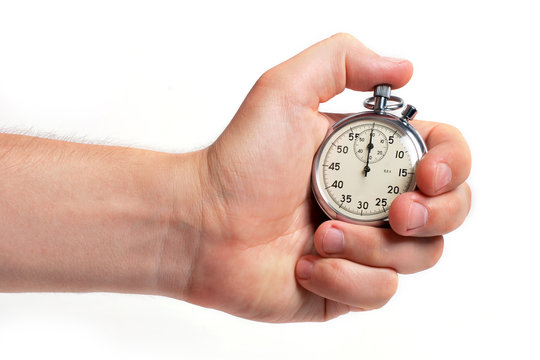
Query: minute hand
370, 146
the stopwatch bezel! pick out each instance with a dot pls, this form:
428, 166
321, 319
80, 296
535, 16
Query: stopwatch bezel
390, 120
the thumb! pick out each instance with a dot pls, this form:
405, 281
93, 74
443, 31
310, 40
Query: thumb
325, 69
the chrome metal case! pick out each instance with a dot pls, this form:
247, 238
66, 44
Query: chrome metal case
380, 114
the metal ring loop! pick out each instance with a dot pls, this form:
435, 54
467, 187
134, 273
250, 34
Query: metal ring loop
369, 103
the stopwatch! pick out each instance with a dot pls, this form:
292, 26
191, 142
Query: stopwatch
367, 160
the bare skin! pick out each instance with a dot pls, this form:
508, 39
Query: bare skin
233, 226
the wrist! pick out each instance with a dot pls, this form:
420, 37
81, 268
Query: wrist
177, 250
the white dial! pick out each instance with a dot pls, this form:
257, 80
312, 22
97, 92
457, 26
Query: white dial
363, 165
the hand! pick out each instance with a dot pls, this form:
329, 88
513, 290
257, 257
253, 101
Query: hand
261, 251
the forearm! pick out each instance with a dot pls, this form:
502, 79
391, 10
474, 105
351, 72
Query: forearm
78, 217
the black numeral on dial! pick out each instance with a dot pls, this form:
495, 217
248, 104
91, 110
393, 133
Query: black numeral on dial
381, 202
334, 166
362, 205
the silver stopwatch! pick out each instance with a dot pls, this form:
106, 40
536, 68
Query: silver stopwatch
367, 160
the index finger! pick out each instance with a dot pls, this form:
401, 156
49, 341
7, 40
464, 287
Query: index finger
447, 163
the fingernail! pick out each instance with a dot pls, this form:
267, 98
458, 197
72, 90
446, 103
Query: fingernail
417, 216
394, 60
443, 176
304, 268
333, 241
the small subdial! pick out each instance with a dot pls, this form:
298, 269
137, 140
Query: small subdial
372, 143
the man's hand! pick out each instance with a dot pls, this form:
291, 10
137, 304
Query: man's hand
232, 226
262, 250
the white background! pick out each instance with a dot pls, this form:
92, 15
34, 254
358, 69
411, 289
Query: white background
169, 75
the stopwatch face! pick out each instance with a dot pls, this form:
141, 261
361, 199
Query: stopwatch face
363, 165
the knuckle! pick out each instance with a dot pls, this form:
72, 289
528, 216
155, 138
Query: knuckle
454, 210
468, 196
436, 252
331, 275
449, 221
335, 270
388, 285
343, 36
444, 128
444, 211
443, 131
373, 249
269, 79
279, 84
452, 129
450, 132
